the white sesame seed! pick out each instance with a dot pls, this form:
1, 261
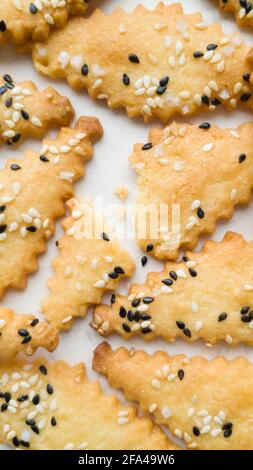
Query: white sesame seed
156, 384
208, 147
152, 407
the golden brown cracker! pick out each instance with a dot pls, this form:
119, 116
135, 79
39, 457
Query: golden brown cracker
154, 63
208, 296
32, 195
90, 263
242, 9
23, 20
190, 176
53, 406
23, 333
209, 404
27, 112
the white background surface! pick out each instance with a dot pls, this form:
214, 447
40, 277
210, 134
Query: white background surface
109, 169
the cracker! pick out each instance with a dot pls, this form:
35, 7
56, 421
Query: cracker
58, 408
243, 10
23, 333
208, 296
90, 263
152, 63
27, 112
32, 195
209, 404
191, 176
22, 21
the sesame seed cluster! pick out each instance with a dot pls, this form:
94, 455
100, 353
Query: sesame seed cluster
243, 10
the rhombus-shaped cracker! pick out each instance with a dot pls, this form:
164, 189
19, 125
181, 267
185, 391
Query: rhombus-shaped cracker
23, 20
208, 404
193, 175
152, 63
32, 195
23, 333
53, 406
90, 263
25, 111
242, 9
208, 295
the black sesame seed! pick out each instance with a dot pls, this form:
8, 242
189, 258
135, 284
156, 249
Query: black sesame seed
8, 103
246, 77
148, 300
26, 339
161, 90
130, 315
7, 78
113, 275
122, 312
146, 330
2, 395
85, 70
246, 319
215, 102
180, 325
205, 125
2, 208
134, 58
242, 158
105, 236
245, 310
30, 422
7, 397
16, 138
187, 332
24, 443
3, 89
185, 259
223, 316
43, 370
167, 282
192, 272
205, 100
147, 146
136, 302
245, 97
23, 332
22, 398
15, 167
53, 421
34, 322
31, 229
43, 158
196, 431
16, 441
33, 9
149, 247
227, 426
126, 79
126, 327
180, 374
50, 389
2, 26
3, 227
4, 407
137, 316
164, 81
113, 298
144, 261
145, 316
119, 270
200, 213
212, 47
24, 115
36, 399
35, 429
227, 433
198, 54
173, 275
